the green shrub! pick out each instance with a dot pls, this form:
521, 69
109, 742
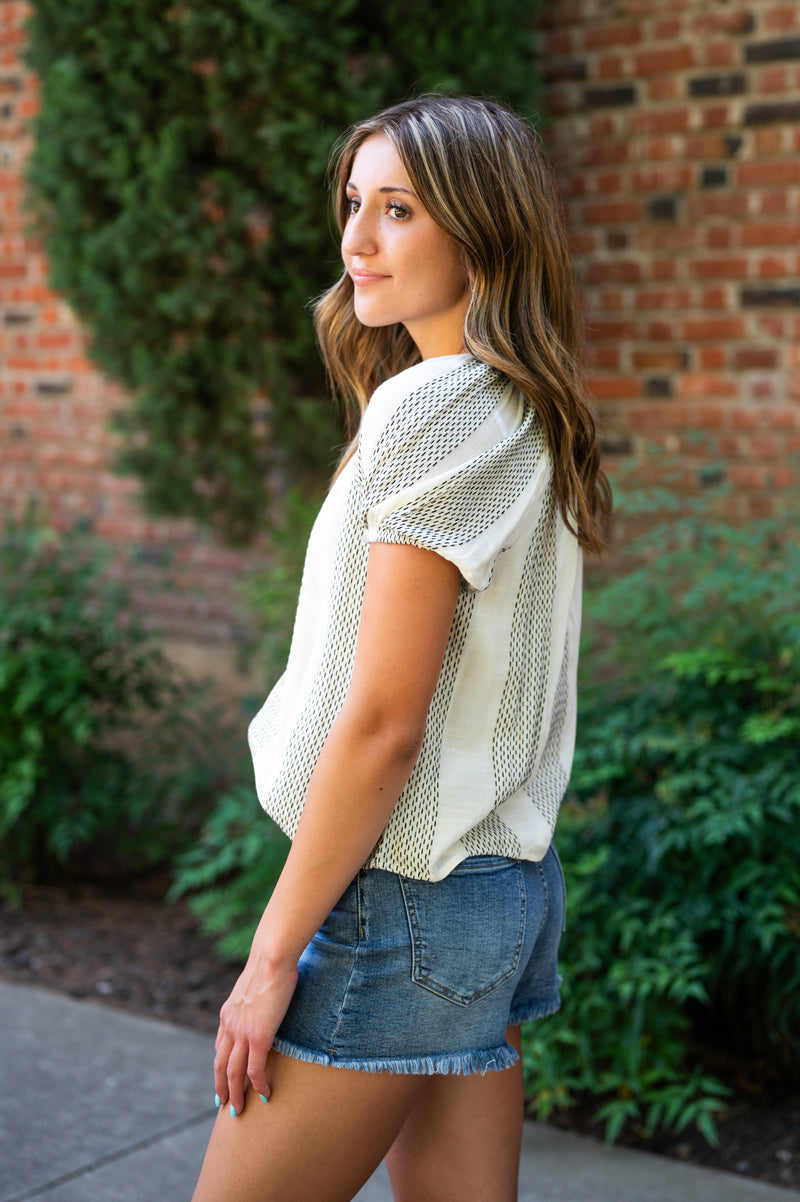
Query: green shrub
177, 175
230, 871
102, 747
683, 853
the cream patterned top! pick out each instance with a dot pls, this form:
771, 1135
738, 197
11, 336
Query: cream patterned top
451, 458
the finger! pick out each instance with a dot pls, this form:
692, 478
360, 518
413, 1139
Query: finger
237, 1065
256, 1069
224, 1045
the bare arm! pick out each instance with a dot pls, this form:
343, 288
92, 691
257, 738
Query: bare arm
407, 612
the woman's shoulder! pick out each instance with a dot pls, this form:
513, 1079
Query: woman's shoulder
454, 389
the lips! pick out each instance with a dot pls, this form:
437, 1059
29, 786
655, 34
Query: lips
362, 279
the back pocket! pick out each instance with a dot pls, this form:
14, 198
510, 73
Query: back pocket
467, 930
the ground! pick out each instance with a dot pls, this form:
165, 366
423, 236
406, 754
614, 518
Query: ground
126, 947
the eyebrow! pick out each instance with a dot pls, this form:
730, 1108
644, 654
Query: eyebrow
407, 191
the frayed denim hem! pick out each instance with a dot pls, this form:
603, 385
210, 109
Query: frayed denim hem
459, 1063
527, 1014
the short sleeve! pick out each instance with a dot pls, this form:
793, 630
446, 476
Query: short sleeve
454, 466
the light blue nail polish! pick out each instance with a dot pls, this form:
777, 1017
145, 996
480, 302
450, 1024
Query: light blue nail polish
263, 1099
217, 1101
233, 1112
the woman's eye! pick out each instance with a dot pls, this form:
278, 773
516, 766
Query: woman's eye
398, 211
351, 206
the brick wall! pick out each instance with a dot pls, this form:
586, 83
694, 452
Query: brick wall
56, 448
675, 128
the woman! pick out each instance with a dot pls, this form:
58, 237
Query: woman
419, 744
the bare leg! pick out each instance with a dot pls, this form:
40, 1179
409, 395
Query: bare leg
321, 1135
462, 1139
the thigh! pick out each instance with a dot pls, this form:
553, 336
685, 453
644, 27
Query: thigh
321, 1135
462, 1138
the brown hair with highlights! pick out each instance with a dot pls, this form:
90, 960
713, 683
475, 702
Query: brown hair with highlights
479, 171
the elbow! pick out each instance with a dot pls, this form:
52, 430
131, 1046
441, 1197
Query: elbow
395, 740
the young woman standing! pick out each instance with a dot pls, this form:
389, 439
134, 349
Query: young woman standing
419, 744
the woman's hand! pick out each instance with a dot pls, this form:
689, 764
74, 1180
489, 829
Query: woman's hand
249, 1021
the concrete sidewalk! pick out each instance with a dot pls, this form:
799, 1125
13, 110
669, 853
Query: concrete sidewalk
101, 1106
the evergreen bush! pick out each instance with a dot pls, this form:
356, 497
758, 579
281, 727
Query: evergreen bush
681, 844
231, 870
178, 180
105, 752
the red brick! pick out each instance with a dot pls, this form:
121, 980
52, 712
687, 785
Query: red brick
768, 174
773, 267
720, 54
783, 477
781, 18
705, 146
583, 242
773, 325
772, 204
661, 121
730, 268
604, 357
612, 212
707, 384
667, 29
560, 42
782, 418
668, 240
659, 360
614, 270
664, 87
667, 58
654, 179
599, 154
745, 418
768, 141
715, 298
601, 329
748, 475
719, 237
763, 445
727, 446
660, 150
614, 387
774, 234
718, 116
771, 81
748, 358
602, 125
660, 331
712, 358
718, 204
720, 20
620, 34
710, 417
655, 413
713, 329
663, 298
608, 181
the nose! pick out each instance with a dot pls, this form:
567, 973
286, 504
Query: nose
359, 236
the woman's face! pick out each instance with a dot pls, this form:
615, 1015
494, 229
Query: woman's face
404, 267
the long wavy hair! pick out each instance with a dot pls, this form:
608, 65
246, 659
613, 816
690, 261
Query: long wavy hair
479, 171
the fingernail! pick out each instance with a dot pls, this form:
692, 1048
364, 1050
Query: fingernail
217, 1101
233, 1112
263, 1099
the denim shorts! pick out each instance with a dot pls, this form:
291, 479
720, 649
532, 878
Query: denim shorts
409, 976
